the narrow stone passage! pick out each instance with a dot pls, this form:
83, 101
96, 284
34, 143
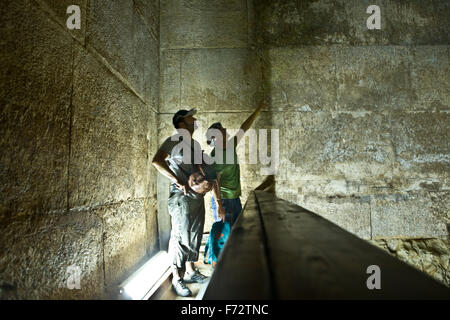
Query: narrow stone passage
355, 128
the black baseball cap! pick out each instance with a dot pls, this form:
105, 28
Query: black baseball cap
216, 125
181, 114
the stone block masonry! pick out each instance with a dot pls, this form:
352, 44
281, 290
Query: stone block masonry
365, 114
362, 114
363, 120
78, 126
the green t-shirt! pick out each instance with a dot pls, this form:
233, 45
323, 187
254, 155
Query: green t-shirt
230, 175
210, 172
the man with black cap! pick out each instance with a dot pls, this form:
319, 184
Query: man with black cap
179, 158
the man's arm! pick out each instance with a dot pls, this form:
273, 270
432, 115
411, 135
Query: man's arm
248, 123
159, 162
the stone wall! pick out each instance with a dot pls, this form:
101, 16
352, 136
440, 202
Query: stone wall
365, 115
362, 114
209, 62
78, 126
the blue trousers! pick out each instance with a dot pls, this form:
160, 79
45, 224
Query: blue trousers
233, 208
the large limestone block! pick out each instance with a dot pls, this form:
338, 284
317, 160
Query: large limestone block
421, 143
260, 149
301, 79
170, 81
225, 80
290, 23
210, 80
35, 89
347, 146
109, 138
124, 239
42, 254
204, 24
119, 33
144, 71
405, 215
440, 204
110, 32
324, 22
251, 23
149, 9
336, 200
430, 78
350, 213
373, 78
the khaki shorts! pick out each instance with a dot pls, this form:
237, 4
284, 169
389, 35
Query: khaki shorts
188, 220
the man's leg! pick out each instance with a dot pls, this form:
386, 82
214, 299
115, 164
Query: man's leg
179, 238
190, 267
196, 225
236, 210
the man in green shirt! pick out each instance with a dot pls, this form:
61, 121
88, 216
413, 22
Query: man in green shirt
228, 175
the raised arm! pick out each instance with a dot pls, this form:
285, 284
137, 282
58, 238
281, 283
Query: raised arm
248, 123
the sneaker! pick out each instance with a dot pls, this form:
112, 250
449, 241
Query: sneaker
196, 276
180, 288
